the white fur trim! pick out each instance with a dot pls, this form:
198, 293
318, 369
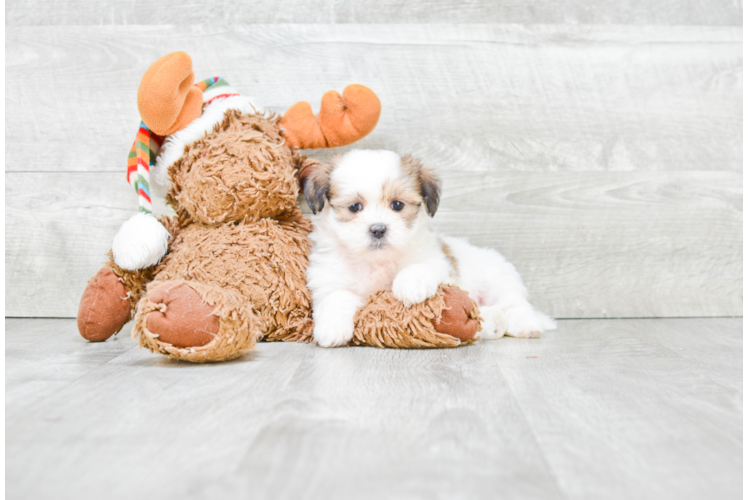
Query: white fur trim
173, 147
141, 242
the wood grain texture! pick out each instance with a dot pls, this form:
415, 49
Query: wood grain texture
60, 228
501, 98
46, 356
744, 219
745, 358
635, 408
93, 12
604, 161
587, 244
602, 245
605, 410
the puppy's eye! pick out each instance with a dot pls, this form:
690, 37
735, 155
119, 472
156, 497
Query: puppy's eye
397, 205
356, 207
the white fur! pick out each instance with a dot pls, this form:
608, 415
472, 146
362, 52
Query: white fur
173, 147
497, 287
141, 242
346, 266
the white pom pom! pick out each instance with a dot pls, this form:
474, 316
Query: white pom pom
141, 242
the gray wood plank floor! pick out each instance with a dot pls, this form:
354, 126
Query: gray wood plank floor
598, 409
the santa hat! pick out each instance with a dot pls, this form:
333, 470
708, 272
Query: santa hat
176, 122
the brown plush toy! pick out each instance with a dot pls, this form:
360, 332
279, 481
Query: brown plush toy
229, 269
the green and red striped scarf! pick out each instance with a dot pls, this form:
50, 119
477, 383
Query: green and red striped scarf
147, 144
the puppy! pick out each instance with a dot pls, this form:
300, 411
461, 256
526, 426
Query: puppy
371, 232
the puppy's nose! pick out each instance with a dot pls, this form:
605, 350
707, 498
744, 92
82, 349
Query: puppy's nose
378, 230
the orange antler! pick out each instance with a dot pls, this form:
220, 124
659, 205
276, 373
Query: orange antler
342, 119
167, 100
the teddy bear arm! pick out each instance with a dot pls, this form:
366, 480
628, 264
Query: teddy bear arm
460, 317
448, 319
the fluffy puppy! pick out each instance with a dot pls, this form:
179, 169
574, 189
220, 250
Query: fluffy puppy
371, 232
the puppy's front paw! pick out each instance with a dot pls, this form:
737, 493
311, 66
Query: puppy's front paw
412, 287
333, 332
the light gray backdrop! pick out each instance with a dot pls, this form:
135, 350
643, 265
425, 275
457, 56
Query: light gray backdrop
597, 145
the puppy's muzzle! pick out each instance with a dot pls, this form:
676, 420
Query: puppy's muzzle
378, 230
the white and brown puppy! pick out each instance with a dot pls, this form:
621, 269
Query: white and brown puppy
371, 232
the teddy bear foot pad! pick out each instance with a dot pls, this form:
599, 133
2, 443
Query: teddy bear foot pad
185, 320
104, 308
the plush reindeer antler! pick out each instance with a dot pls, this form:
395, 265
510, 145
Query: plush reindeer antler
342, 119
167, 100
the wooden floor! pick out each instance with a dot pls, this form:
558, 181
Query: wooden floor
598, 409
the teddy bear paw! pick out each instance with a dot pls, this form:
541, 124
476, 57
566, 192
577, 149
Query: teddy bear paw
456, 319
186, 320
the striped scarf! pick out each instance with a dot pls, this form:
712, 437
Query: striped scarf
147, 144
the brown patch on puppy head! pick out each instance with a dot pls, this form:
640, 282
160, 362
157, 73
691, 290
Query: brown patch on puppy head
341, 206
427, 181
242, 170
404, 189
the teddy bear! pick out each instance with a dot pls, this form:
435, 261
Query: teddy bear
228, 270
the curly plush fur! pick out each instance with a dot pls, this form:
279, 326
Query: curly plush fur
241, 241
384, 321
240, 172
240, 246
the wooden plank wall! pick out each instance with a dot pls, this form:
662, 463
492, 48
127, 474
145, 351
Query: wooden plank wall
598, 147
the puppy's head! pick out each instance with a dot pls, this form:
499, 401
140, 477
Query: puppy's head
373, 201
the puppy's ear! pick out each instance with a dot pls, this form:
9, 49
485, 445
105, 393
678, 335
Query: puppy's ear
430, 190
316, 186
428, 182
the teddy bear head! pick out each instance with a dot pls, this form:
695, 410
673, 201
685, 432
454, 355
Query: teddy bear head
219, 158
229, 161
242, 170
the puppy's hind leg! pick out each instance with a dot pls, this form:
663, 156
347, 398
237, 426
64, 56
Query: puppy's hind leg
525, 322
505, 302
494, 322
516, 321
499, 291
